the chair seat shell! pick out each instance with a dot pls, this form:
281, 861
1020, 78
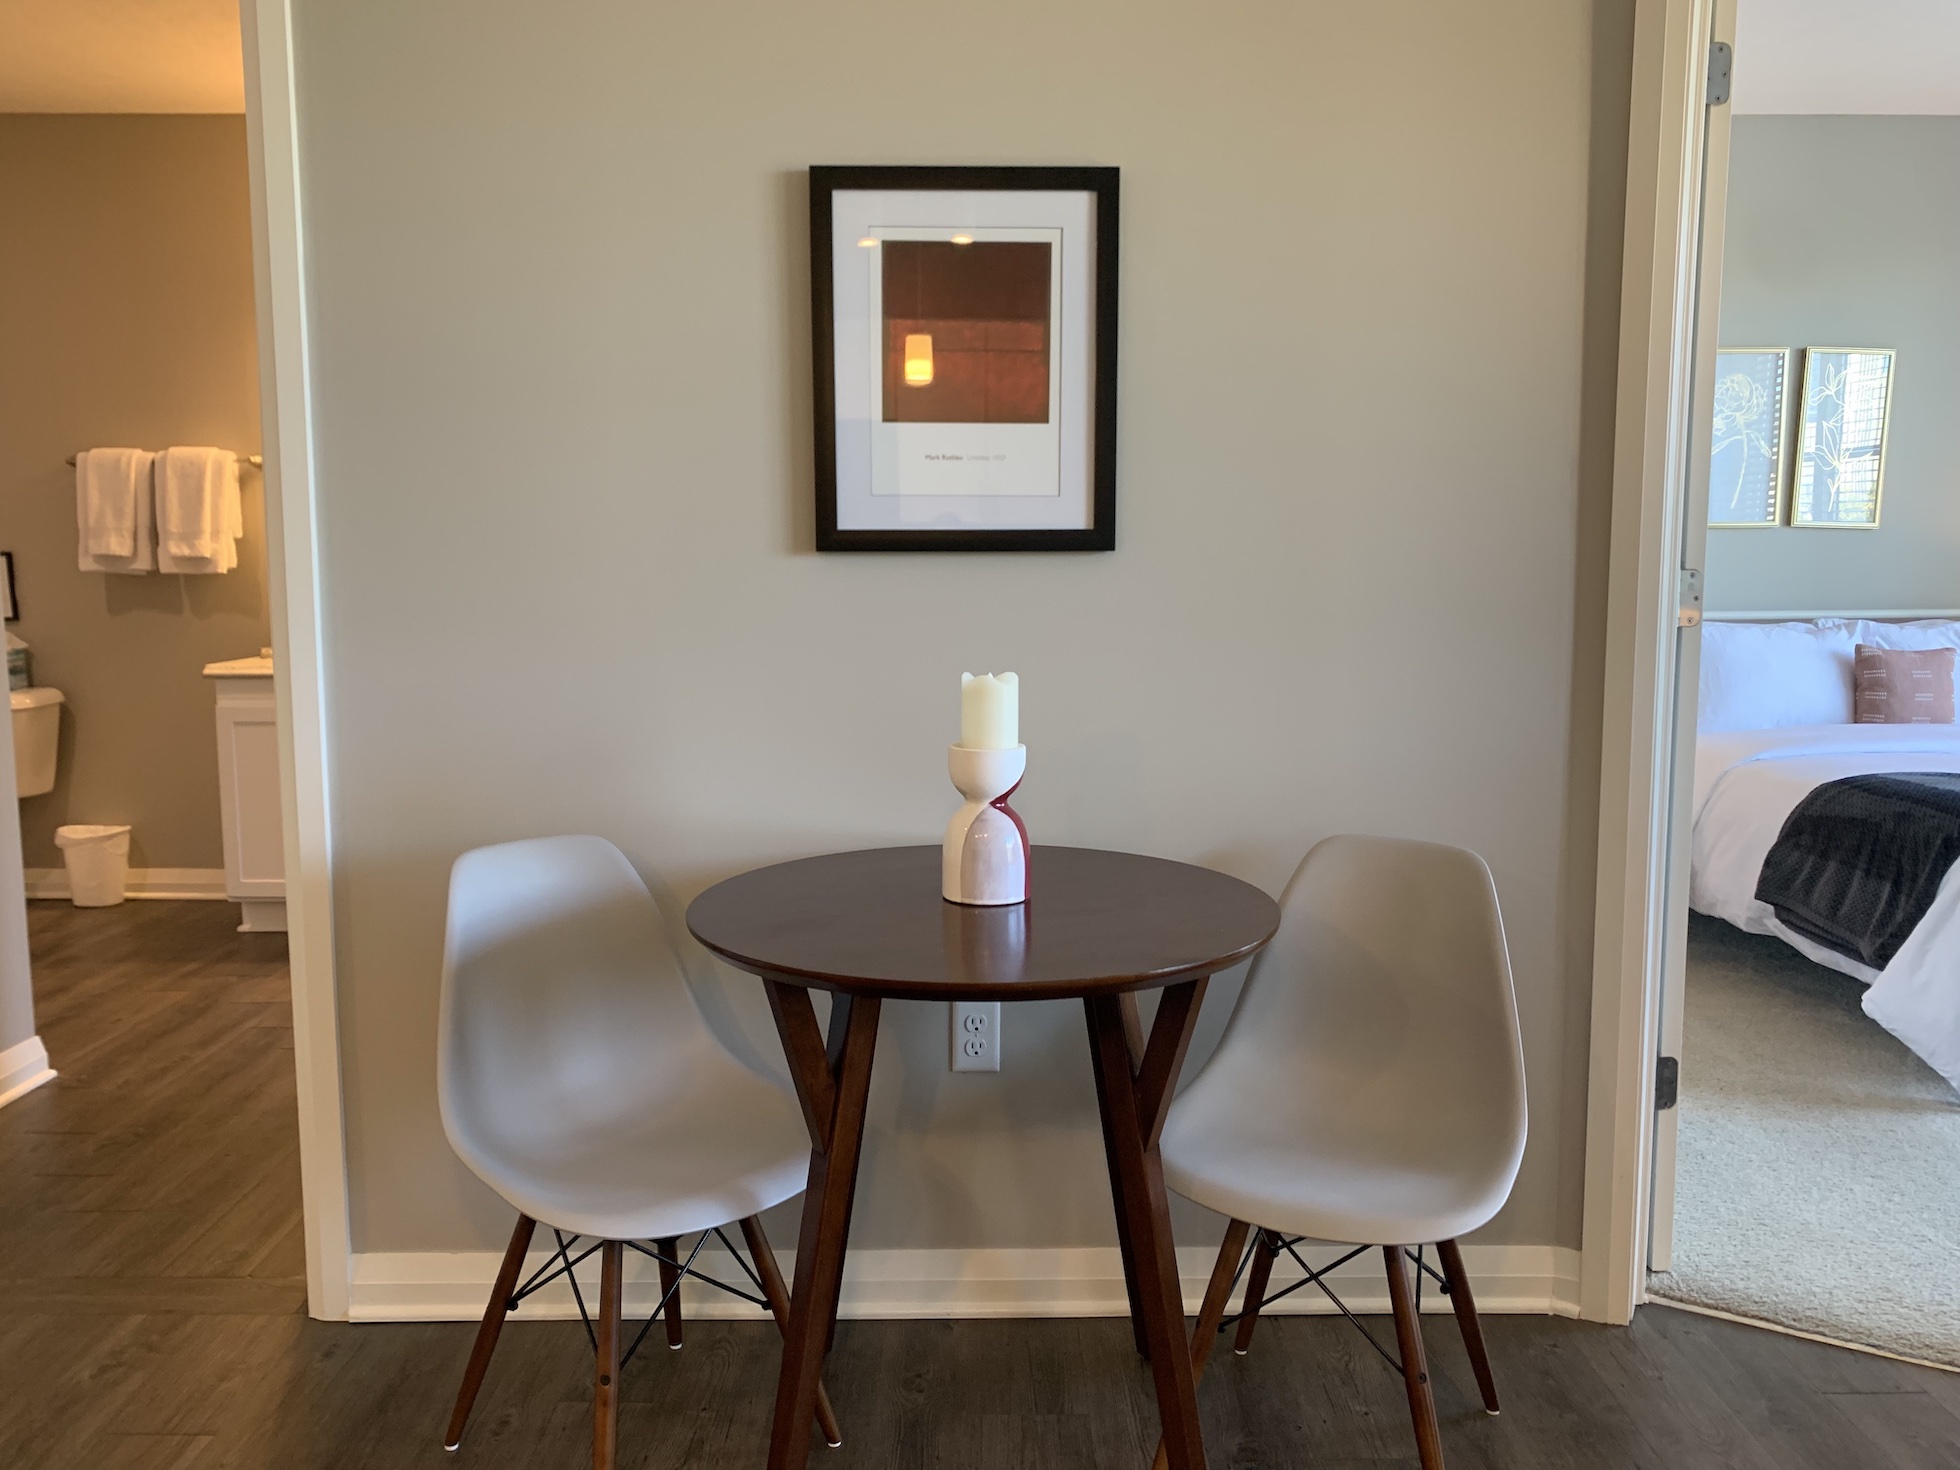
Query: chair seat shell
1370, 1085
685, 1163
576, 1075
1331, 1187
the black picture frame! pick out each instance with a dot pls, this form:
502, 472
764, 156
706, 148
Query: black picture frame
1100, 182
9, 596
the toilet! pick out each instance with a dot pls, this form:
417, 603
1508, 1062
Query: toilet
37, 736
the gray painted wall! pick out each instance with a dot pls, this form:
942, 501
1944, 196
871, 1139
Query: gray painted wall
126, 318
1845, 231
560, 335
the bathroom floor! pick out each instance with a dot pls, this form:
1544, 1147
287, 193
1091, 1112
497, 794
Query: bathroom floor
162, 1164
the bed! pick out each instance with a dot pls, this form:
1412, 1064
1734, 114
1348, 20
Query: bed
1776, 724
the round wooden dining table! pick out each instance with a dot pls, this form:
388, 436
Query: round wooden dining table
1097, 926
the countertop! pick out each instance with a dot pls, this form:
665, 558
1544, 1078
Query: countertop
258, 666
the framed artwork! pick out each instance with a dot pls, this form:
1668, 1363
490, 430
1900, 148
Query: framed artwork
1746, 447
9, 599
964, 324
1847, 401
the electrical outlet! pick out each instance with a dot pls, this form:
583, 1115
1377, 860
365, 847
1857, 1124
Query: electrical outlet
976, 1035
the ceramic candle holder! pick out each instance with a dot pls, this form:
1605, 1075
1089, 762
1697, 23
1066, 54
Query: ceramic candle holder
985, 859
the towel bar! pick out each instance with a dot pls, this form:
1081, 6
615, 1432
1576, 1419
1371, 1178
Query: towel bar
257, 461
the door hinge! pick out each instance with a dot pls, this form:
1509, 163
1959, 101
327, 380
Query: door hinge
1688, 611
1667, 1083
1721, 69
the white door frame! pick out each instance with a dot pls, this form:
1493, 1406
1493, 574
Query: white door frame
1663, 223
1693, 552
1656, 412
278, 273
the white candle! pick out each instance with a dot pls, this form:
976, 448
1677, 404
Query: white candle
990, 711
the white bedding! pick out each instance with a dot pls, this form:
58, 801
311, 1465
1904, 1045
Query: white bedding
1747, 782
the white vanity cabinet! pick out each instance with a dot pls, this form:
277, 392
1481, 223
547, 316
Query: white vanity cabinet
248, 791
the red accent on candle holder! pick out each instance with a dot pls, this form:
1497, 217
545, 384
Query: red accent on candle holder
999, 804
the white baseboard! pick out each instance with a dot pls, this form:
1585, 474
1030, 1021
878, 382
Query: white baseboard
262, 916
23, 1067
437, 1286
143, 883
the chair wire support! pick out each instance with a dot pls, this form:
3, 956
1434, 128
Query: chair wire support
1310, 1279
554, 1267
686, 1268
572, 1276
1423, 1268
1318, 1278
682, 1272
574, 1250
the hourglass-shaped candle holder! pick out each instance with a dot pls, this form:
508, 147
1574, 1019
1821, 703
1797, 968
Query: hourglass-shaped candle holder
985, 859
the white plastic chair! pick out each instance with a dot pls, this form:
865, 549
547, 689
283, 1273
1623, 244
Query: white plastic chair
1369, 1089
578, 1080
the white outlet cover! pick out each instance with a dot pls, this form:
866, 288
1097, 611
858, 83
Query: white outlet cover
974, 1032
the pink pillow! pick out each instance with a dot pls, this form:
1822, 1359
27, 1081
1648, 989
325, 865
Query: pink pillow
1896, 686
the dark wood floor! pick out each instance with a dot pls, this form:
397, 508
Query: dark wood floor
151, 1317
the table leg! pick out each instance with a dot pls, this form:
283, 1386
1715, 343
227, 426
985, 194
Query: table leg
1124, 1247
771, 1276
832, 1082
840, 1027
1135, 1096
1218, 1291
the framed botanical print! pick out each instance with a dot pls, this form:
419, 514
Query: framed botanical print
1746, 447
964, 324
1847, 405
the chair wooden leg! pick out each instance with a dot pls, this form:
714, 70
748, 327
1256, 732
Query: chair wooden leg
1467, 1323
1217, 1293
605, 1392
670, 1250
1256, 1277
1415, 1364
772, 1287
493, 1325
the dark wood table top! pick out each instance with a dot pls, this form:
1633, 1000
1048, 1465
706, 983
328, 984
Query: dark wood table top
874, 923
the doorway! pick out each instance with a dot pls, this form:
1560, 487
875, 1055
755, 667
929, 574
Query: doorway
1805, 1130
168, 1028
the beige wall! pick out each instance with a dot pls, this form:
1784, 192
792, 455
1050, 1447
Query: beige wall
559, 282
126, 318
1797, 272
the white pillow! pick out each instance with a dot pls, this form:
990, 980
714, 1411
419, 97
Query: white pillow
1763, 676
1927, 633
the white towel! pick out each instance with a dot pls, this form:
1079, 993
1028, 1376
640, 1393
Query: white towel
198, 513
112, 510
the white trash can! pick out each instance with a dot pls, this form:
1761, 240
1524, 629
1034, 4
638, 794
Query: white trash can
98, 863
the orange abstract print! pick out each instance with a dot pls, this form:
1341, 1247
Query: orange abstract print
966, 332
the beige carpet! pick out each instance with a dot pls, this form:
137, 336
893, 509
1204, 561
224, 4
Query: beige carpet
1819, 1177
